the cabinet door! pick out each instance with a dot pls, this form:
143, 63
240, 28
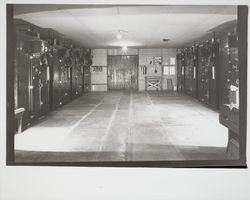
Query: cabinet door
203, 77
194, 72
36, 87
56, 80
87, 79
22, 89
44, 87
213, 75
188, 74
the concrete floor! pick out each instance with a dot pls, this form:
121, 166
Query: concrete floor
125, 126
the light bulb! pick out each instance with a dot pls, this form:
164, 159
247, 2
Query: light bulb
119, 35
124, 48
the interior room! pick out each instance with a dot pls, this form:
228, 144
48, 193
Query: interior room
116, 83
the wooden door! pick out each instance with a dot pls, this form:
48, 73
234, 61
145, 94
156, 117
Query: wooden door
188, 73
122, 72
213, 75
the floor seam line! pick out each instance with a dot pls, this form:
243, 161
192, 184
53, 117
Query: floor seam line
109, 126
163, 125
85, 116
129, 146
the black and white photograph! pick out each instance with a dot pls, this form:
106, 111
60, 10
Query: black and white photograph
122, 83
91, 88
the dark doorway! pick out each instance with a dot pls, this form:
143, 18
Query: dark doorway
122, 72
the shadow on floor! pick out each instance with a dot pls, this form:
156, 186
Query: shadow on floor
186, 152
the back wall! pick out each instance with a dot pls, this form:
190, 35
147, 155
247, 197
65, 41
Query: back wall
146, 56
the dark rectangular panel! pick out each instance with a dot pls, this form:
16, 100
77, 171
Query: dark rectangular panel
242, 34
10, 85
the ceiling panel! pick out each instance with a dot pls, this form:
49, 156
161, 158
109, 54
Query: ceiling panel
146, 26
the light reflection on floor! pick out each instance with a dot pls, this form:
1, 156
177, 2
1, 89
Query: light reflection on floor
125, 126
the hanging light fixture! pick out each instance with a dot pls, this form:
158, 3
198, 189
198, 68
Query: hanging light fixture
119, 35
124, 48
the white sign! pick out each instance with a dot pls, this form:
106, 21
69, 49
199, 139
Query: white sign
172, 71
172, 61
166, 70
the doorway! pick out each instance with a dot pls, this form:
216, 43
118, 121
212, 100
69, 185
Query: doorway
123, 72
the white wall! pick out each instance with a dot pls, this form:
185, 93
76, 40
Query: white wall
167, 55
99, 56
99, 80
147, 55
